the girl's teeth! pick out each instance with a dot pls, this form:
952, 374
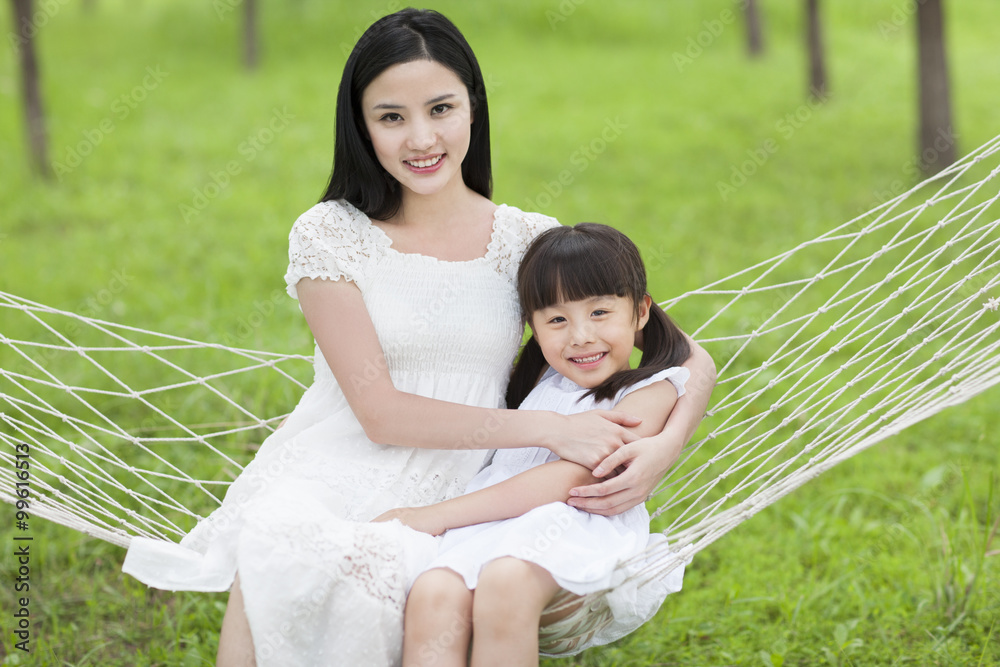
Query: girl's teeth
587, 360
425, 163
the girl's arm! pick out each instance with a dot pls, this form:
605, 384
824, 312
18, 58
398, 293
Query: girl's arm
548, 483
342, 327
648, 460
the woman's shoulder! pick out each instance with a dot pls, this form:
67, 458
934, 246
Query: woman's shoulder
337, 223
513, 230
525, 224
332, 239
333, 216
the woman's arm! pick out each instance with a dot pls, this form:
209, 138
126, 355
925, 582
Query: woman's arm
339, 320
548, 483
648, 460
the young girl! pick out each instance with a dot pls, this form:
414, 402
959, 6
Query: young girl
512, 538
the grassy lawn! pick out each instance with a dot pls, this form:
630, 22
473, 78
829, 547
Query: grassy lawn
172, 206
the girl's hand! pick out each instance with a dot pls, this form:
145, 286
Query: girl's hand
424, 519
590, 437
643, 464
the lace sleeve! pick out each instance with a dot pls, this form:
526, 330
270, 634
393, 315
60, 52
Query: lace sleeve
519, 230
535, 224
327, 241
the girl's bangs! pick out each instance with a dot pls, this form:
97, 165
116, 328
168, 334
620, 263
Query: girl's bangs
572, 268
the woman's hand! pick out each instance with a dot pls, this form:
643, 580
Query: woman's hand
642, 465
590, 437
424, 519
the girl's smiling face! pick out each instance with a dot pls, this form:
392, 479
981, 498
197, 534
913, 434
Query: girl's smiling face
589, 340
419, 119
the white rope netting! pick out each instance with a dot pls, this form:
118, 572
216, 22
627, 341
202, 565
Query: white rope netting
823, 351
116, 454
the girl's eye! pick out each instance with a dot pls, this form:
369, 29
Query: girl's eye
440, 109
557, 319
392, 117
600, 312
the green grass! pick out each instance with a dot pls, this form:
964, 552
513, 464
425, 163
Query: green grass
878, 562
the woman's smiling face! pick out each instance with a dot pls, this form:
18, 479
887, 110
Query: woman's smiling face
419, 119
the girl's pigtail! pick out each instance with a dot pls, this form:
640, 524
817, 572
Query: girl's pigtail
663, 346
526, 372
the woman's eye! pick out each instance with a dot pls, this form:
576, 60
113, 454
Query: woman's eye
440, 109
392, 117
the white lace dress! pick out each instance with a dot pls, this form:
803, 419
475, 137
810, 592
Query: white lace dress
584, 553
321, 585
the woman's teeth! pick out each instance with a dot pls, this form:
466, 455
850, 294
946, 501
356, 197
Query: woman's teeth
420, 164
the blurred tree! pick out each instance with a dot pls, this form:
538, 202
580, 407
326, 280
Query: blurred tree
250, 50
817, 54
31, 96
937, 137
755, 39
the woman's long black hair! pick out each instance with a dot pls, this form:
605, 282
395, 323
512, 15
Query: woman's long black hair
588, 260
405, 36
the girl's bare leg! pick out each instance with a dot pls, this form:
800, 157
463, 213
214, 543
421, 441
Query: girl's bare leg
510, 597
437, 626
235, 642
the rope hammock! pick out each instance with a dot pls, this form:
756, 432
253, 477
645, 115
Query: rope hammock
823, 350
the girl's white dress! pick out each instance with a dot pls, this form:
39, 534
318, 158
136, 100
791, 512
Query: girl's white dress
584, 552
321, 585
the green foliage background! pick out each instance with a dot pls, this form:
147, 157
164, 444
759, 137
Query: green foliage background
880, 562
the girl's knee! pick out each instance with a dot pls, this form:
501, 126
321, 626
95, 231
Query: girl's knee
509, 585
438, 589
438, 622
506, 573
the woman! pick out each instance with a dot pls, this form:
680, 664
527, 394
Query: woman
405, 274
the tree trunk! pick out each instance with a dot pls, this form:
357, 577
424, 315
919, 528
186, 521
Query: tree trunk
937, 136
31, 96
250, 34
817, 56
755, 39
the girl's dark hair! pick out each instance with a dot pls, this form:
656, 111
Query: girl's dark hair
588, 260
402, 37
